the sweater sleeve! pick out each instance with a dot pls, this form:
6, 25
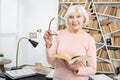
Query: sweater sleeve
52, 50
91, 68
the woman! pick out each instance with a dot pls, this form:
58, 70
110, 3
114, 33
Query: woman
71, 42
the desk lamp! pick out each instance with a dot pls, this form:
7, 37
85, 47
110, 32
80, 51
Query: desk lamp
34, 44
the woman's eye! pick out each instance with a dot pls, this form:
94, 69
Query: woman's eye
71, 17
78, 16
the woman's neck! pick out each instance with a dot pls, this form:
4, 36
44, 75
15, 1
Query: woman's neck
77, 31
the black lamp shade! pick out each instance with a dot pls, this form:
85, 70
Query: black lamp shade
34, 43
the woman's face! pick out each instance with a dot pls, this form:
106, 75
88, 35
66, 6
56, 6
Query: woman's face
75, 21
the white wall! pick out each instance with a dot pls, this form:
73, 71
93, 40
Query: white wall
31, 15
8, 29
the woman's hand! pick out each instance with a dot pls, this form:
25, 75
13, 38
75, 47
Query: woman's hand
48, 38
75, 66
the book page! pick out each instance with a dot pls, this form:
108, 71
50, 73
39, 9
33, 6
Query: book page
61, 56
73, 59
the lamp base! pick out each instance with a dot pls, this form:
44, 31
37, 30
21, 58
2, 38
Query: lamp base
19, 67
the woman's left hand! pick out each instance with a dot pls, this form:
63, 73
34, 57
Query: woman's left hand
74, 66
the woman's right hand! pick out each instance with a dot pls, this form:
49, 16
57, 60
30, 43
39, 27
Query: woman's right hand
48, 38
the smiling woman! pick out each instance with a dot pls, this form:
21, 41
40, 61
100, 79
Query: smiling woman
72, 42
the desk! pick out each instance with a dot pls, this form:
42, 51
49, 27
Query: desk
3, 62
36, 77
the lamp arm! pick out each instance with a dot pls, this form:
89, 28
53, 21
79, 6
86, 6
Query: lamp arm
18, 50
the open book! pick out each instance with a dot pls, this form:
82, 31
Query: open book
73, 59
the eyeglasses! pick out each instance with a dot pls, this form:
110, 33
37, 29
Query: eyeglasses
53, 32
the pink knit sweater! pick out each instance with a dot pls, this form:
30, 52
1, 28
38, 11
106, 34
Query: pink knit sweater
69, 44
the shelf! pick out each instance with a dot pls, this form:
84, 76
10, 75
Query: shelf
115, 17
103, 72
115, 59
107, 3
106, 60
112, 46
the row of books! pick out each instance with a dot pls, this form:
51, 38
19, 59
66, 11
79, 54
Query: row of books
72, 0
106, 0
105, 67
108, 26
109, 10
93, 23
63, 9
115, 39
89, 7
102, 54
96, 35
114, 53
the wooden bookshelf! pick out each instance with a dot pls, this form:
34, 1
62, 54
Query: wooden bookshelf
103, 26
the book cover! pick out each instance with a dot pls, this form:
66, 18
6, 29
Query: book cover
73, 59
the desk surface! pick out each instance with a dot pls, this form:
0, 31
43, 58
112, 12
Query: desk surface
36, 77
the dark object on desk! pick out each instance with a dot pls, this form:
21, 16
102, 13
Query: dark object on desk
3, 62
35, 77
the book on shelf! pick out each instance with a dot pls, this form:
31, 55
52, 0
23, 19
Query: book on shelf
20, 73
73, 59
102, 54
96, 35
106, 29
113, 26
101, 8
104, 66
114, 54
63, 10
104, 21
118, 12
88, 4
113, 10
115, 38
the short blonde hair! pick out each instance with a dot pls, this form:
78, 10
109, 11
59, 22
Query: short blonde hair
81, 10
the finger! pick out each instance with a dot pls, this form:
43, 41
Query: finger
82, 64
48, 31
87, 63
47, 34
